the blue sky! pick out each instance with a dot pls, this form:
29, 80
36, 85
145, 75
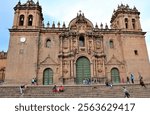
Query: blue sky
65, 10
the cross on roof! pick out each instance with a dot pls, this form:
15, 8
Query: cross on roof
80, 11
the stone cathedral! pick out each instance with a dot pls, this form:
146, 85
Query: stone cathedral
60, 54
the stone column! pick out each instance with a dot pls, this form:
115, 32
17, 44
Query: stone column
26, 19
16, 17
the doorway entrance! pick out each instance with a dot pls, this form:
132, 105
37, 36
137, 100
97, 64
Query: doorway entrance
83, 71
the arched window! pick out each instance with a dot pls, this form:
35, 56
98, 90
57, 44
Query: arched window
48, 43
30, 20
111, 44
81, 41
133, 23
126, 23
21, 20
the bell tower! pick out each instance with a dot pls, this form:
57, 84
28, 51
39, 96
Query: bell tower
28, 15
126, 18
24, 42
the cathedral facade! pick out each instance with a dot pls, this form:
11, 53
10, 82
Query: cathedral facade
70, 54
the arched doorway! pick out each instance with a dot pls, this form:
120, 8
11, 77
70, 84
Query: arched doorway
47, 76
2, 75
115, 76
82, 70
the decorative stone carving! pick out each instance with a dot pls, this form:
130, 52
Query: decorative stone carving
65, 71
98, 44
100, 70
65, 44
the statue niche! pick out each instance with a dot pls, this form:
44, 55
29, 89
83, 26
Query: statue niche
65, 66
65, 44
98, 44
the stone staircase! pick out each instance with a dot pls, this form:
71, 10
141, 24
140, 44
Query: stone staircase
76, 91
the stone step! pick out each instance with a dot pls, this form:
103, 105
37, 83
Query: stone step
76, 91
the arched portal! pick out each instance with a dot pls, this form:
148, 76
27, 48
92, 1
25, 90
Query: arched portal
47, 76
83, 71
115, 75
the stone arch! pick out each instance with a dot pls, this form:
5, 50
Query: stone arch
81, 41
30, 20
111, 43
21, 20
48, 43
126, 23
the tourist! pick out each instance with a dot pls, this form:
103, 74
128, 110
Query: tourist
61, 88
55, 89
22, 89
108, 84
132, 78
126, 92
128, 80
142, 82
32, 81
35, 81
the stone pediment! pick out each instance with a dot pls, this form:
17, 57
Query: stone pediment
48, 61
114, 61
80, 22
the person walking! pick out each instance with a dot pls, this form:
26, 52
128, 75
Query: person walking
126, 92
128, 80
22, 89
142, 82
132, 78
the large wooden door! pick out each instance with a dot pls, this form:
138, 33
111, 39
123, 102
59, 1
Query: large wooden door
48, 76
115, 75
82, 70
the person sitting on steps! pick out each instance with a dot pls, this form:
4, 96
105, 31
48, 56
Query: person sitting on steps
61, 88
108, 84
54, 89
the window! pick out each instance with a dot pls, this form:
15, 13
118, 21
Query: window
111, 44
81, 41
133, 23
126, 23
48, 43
30, 20
21, 20
135, 52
